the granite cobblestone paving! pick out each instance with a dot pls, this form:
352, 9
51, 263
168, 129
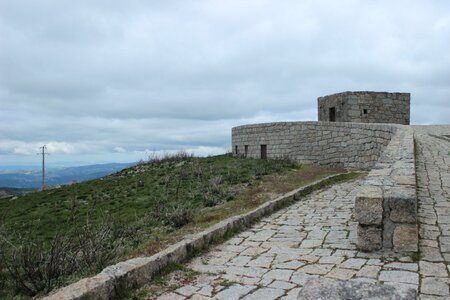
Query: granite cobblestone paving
433, 194
316, 237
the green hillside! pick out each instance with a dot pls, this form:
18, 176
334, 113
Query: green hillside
136, 211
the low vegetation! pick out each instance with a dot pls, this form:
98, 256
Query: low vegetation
50, 238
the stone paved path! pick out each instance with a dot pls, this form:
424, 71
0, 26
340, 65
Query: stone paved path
433, 176
317, 236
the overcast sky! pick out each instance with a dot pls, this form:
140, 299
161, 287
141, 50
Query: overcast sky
103, 81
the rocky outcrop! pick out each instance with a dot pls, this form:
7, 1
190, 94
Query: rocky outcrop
325, 288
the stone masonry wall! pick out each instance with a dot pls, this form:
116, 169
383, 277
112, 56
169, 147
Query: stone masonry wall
366, 107
386, 205
350, 145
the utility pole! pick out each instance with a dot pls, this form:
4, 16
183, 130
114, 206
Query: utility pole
43, 148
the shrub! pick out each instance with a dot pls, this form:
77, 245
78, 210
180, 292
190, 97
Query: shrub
98, 246
174, 215
214, 193
170, 157
34, 267
3, 274
210, 199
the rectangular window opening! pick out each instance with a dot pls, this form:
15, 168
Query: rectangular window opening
236, 150
365, 111
332, 114
246, 150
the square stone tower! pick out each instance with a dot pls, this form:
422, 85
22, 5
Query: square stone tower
365, 107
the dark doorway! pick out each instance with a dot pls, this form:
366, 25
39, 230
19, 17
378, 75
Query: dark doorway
263, 151
236, 150
332, 114
245, 150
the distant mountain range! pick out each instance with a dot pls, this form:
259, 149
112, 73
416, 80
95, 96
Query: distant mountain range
58, 176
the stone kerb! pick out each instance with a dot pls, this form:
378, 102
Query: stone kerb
386, 205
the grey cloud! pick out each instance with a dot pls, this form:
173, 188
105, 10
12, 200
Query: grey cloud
174, 74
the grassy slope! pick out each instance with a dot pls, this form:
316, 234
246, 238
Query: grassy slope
149, 197
129, 196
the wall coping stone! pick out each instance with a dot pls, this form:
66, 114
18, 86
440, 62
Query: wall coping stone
322, 123
394, 174
365, 93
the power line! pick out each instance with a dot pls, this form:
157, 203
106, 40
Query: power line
43, 148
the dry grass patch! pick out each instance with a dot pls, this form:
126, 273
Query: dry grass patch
250, 196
